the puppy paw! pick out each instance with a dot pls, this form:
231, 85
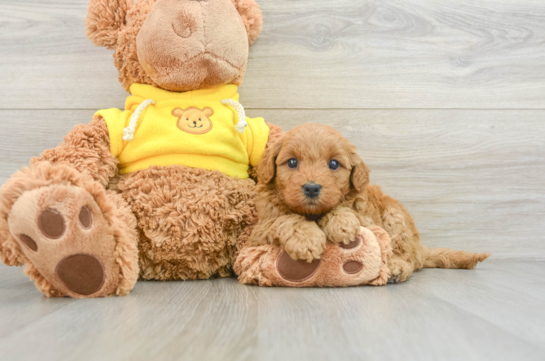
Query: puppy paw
307, 243
342, 228
400, 270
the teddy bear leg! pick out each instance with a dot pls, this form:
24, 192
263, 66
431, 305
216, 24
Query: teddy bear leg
189, 220
362, 261
76, 240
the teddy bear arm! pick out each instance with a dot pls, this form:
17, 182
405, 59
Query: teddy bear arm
85, 148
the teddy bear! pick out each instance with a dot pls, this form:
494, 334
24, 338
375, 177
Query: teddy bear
160, 190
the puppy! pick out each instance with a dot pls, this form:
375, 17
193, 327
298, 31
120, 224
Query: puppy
313, 187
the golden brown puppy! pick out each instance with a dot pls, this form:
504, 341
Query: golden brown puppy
313, 187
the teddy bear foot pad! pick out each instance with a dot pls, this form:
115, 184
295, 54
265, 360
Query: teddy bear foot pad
362, 261
299, 271
65, 236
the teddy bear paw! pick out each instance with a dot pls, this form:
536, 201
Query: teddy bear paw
362, 261
65, 236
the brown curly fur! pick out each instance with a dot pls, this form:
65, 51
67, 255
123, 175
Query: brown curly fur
86, 148
251, 18
189, 220
346, 201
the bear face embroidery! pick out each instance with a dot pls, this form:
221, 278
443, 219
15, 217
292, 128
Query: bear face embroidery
194, 120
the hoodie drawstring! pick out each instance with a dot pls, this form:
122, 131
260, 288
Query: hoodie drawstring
128, 133
242, 124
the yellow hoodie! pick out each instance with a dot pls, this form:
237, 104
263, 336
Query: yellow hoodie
192, 128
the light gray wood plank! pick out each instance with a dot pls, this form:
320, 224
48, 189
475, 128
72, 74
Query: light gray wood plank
16, 289
422, 319
472, 179
398, 322
488, 294
312, 54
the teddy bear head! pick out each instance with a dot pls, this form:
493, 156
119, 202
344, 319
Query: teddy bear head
177, 45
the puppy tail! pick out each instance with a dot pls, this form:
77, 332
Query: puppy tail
449, 258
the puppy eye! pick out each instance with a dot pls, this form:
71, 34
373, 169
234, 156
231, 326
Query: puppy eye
292, 163
333, 164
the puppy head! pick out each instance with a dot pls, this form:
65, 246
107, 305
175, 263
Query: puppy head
313, 167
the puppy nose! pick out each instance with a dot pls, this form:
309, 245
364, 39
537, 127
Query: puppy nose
312, 190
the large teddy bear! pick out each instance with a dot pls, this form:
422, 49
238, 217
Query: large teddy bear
161, 190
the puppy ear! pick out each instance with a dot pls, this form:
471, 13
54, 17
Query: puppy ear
360, 172
208, 111
267, 166
104, 21
251, 17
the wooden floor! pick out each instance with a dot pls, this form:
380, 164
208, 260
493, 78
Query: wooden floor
445, 100
492, 313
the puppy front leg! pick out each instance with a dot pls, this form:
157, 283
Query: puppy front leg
340, 225
300, 238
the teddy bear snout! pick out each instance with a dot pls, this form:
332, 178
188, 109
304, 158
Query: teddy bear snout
215, 49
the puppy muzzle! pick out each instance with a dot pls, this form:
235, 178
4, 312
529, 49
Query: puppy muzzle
312, 190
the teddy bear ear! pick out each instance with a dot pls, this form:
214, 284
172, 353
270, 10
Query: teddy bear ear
104, 20
251, 16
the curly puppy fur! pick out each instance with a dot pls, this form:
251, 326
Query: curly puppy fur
301, 224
